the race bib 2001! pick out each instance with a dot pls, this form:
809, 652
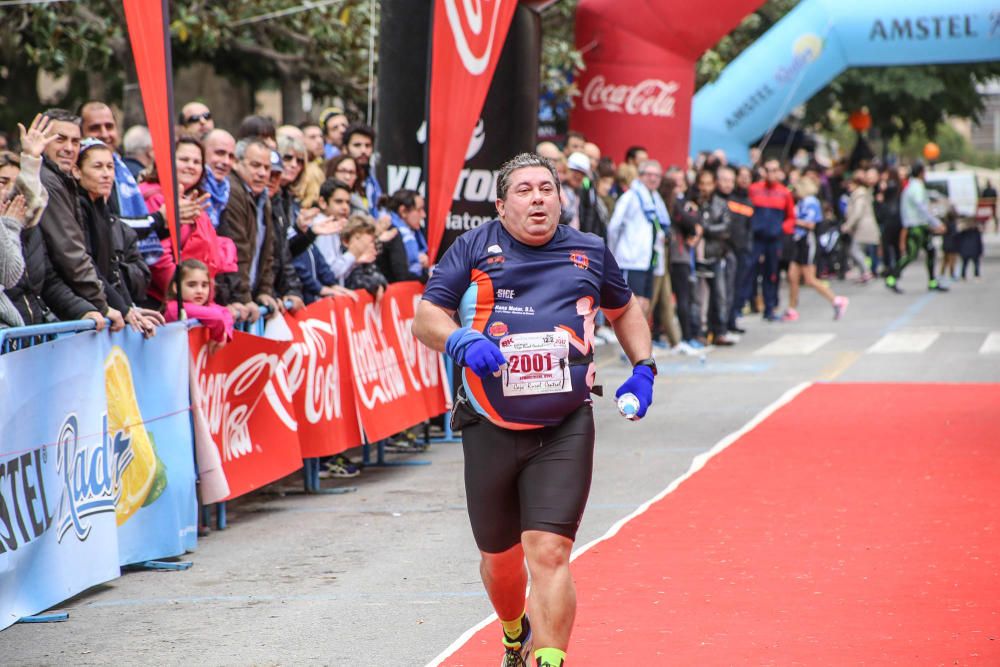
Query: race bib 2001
537, 363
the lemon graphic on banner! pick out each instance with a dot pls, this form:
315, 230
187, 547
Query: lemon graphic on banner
144, 477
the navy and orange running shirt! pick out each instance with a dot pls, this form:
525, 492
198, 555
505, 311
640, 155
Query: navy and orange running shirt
500, 286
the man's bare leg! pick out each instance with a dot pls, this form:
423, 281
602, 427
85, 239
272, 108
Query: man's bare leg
506, 581
553, 595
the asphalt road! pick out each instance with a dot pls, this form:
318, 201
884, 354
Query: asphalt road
388, 575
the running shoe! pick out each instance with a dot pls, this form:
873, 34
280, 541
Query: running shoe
694, 344
791, 315
405, 445
840, 306
517, 652
340, 466
935, 286
890, 283
683, 349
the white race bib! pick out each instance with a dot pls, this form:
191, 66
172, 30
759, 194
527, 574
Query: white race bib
537, 363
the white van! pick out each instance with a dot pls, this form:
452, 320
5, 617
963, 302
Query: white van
959, 187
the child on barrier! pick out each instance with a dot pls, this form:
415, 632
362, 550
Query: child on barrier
196, 293
364, 274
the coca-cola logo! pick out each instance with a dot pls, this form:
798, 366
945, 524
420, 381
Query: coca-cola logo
376, 368
321, 372
229, 399
651, 97
416, 355
472, 41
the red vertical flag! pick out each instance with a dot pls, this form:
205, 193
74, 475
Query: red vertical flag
467, 41
149, 33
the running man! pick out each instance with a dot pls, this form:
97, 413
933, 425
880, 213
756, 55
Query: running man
919, 226
527, 290
802, 263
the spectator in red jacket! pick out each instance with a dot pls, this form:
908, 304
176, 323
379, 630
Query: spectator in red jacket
773, 217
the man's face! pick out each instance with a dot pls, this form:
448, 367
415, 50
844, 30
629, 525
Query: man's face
197, 119
335, 126
255, 168
574, 178
640, 156
8, 174
220, 152
573, 145
651, 176
594, 153
772, 170
313, 138
706, 185
530, 211
338, 206
727, 182
65, 148
99, 122
360, 148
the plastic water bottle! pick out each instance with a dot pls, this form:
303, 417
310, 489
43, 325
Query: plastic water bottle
628, 406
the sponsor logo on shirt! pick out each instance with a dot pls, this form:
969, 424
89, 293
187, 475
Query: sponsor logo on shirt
506, 294
498, 330
580, 259
494, 249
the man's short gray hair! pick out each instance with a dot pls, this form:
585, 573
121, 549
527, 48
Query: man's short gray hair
137, 140
243, 144
650, 163
522, 161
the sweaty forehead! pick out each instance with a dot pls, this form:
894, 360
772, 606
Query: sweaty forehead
530, 176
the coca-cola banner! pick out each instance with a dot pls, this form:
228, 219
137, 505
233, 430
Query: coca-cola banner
623, 105
506, 126
389, 386
249, 415
320, 382
423, 367
639, 77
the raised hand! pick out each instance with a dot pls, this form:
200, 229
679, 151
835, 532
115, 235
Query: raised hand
15, 208
37, 137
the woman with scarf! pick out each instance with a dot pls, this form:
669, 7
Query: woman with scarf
112, 244
198, 239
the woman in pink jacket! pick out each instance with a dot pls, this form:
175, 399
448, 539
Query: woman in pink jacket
198, 239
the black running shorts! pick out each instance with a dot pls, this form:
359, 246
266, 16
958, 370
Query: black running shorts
526, 480
804, 250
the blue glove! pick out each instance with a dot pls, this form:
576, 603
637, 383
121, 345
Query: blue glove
472, 349
640, 385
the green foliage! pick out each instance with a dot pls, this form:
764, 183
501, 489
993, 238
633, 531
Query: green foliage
560, 57
902, 100
712, 62
328, 43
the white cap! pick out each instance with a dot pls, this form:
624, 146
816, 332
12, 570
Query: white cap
579, 162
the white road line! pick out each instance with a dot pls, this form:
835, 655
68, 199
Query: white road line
903, 342
992, 344
795, 344
696, 464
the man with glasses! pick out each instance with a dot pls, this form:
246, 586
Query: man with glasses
637, 231
773, 217
247, 221
196, 120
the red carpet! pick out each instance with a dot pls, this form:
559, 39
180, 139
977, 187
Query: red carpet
857, 525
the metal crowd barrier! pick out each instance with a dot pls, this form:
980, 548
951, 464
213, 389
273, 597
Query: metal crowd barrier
18, 338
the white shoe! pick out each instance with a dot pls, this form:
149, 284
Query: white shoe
683, 349
606, 333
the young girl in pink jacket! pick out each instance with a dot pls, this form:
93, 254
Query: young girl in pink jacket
196, 293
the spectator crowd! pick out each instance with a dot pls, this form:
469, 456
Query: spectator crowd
278, 217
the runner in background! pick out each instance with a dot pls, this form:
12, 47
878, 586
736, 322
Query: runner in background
527, 290
802, 263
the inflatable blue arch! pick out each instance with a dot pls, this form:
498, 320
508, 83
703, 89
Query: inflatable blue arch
818, 40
